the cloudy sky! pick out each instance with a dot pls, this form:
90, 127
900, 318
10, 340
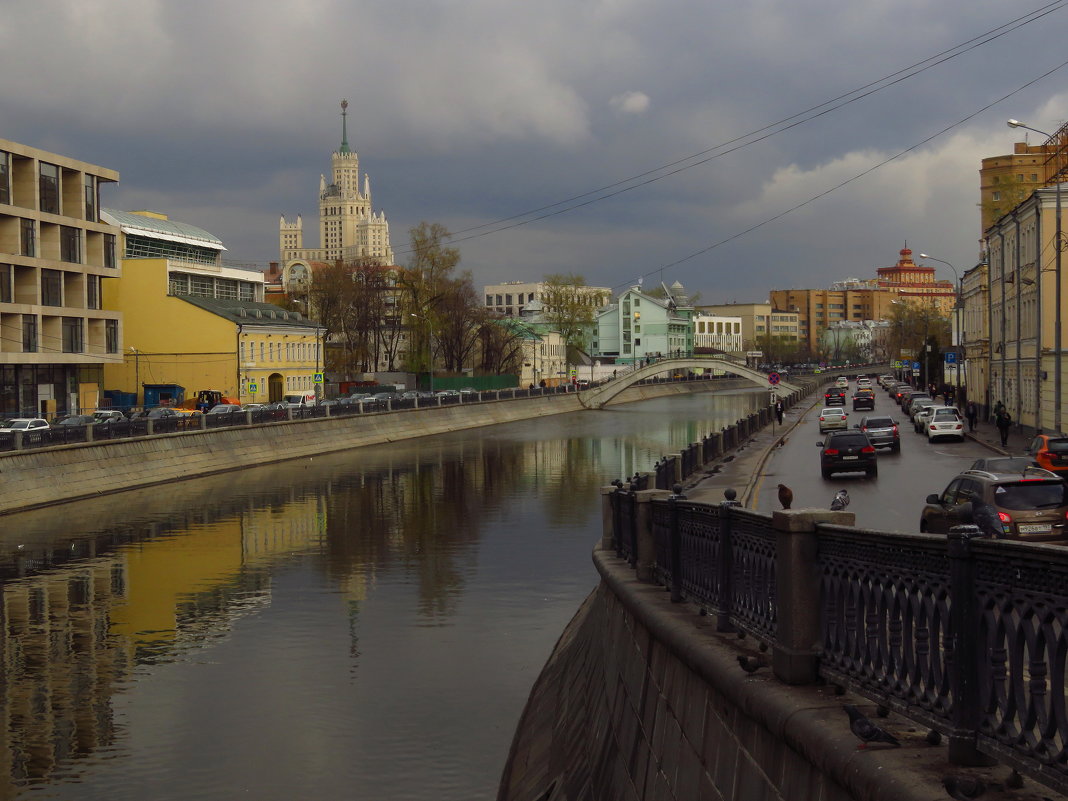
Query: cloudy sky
610, 138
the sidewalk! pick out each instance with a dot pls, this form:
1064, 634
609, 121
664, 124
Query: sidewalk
986, 433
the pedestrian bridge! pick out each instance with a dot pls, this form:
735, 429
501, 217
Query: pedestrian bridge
597, 397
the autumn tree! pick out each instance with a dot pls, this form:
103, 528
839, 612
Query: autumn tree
426, 281
350, 300
570, 308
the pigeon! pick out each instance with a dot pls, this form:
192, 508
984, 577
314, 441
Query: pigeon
964, 788
786, 496
751, 664
867, 731
840, 502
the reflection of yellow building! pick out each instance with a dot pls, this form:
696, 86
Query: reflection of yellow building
192, 321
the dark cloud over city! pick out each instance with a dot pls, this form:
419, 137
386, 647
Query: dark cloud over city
224, 114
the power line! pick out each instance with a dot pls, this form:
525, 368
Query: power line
750, 138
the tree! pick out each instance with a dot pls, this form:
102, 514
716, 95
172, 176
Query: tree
570, 308
1010, 193
502, 342
350, 300
460, 316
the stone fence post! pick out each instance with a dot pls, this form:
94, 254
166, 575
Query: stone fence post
797, 637
646, 558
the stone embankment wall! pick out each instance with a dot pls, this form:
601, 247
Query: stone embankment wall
641, 700
34, 478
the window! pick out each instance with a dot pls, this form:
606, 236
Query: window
111, 336
92, 291
72, 335
5, 177
263, 352
29, 333
1034, 176
48, 181
70, 244
29, 237
242, 349
1019, 176
997, 196
109, 250
90, 198
51, 288
7, 288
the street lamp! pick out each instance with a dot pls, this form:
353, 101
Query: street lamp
956, 308
429, 349
1057, 288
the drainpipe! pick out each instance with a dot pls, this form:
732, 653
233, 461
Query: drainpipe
1019, 330
1038, 314
240, 330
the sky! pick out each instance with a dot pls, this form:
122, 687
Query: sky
540, 134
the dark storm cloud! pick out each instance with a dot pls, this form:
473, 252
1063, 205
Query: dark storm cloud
224, 115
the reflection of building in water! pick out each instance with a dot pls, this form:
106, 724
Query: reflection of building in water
60, 668
71, 635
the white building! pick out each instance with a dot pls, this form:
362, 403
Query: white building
511, 298
349, 228
714, 332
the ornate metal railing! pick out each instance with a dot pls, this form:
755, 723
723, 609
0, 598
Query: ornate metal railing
964, 635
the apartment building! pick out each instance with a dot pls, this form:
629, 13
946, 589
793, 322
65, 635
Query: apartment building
56, 257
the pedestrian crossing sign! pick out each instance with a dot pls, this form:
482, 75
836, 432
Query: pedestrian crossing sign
253, 387
318, 378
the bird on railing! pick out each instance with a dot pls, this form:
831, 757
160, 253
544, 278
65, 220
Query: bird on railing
964, 788
867, 731
840, 501
751, 664
786, 496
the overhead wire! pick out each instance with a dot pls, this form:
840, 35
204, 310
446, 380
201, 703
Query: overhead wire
752, 137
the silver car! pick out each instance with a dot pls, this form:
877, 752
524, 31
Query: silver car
882, 431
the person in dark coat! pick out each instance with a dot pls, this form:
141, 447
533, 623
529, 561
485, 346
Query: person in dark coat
971, 412
779, 410
1003, 420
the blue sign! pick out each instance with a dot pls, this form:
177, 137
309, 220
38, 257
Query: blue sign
915, 365
951, 358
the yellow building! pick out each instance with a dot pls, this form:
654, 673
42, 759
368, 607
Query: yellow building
56, 256
192, 321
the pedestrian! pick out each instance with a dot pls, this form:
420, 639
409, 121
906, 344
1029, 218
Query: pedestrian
971, 412
1003, 420
779, 410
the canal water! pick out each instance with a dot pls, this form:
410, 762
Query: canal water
357, 626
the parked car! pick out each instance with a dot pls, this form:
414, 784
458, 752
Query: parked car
108, 417
882, 432
1051, 452
918, 406
834, 396
23, 424
833, 419
944, 421
864, 399
471, 392
224, 408
1004, 464
908, 398
75, 420
448, 394
848, 451
919, 422
159, 413
1031, 505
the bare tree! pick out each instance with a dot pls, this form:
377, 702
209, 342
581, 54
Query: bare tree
461, 317
502, 344
425, 283
570, 307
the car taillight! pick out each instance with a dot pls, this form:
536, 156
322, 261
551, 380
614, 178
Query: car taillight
895, 429
822, 418
831, 452
868, 449
1004, 517
933, 427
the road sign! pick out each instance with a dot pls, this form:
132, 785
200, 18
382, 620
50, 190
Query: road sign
897, 364
915, 365
253, 387
915, 371
318, 378
951, 358
774, 378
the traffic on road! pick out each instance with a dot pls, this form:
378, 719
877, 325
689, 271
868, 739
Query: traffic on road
906, 465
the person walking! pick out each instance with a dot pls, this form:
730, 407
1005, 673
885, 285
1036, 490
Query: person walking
779, 410
1002, 419
971, 412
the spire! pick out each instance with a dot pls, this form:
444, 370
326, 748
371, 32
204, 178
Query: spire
344, 127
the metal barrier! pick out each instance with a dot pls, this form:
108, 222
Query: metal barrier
965, 635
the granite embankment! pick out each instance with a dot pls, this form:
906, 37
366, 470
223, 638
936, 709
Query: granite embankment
34, 478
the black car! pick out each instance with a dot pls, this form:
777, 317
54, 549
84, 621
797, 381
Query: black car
847, 452
834, 397
864, 399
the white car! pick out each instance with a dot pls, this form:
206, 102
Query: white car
943, 421
833, 418
23, 424
841, 382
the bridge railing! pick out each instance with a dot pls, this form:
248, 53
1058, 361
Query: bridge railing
965, 635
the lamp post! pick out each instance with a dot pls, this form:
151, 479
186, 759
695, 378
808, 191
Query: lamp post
1059, 247
429, 352
956, 309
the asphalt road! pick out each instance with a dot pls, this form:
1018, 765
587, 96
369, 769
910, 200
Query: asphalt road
892, 501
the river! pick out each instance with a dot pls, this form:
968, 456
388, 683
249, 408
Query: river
363, 625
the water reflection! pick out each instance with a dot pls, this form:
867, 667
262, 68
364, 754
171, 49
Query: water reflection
336, 586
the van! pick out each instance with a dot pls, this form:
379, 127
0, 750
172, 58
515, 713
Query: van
299, 400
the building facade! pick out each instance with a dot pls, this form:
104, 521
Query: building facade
57, 257
195, 323
638, 326
717, 333
759, 321
510, 299
349, 228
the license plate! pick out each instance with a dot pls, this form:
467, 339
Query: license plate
847, 458
1034, 528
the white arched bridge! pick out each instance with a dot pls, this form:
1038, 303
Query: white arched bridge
596, 397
